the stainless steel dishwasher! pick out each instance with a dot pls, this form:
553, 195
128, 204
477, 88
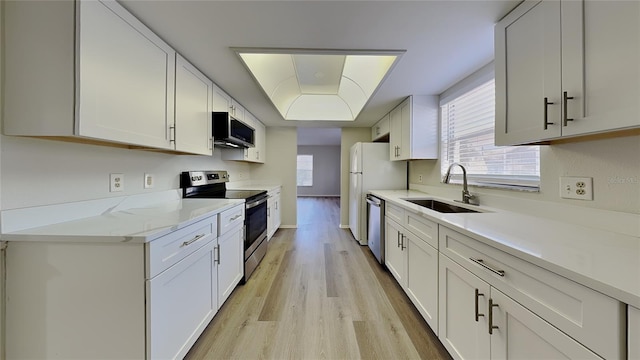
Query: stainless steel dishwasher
375, 226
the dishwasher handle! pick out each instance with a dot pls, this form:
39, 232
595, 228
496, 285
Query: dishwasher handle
373, 201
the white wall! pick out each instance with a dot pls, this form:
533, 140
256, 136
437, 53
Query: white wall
350, 136
326, 171
282, 145
40, 172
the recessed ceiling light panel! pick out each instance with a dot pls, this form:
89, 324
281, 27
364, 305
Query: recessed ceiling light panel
318, 84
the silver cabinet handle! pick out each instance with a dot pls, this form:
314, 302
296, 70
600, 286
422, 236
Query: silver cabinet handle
491, 326
478, 315
546, 113
565, 97
172, 133
218, 252
402, 247
481, 263
235, 217
196, 238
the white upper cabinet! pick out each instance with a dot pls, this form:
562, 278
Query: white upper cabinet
193, 105
105, 76
223, 102
414, 129
567, 68
380, 130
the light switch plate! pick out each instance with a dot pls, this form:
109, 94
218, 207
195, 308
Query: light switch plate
580, 188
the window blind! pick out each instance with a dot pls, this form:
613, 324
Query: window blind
305, 170
468, 139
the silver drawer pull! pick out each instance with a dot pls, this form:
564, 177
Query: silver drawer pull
481, 263
235, 217
196, 238
491, 326
478, 315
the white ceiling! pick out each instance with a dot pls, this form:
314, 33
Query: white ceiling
445, 41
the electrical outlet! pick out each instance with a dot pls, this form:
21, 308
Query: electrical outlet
576, 188
148, 181
420, 179
116, 182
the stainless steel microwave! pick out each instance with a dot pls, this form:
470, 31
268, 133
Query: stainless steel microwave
230, 132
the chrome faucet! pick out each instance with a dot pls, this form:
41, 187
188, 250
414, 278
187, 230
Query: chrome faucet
467, 198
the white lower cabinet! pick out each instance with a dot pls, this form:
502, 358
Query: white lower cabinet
413, 262
633, 334
274, 212
181, 303
422, 279
119, 300
394, 252
230, 262
478, 321
517, 333
463, 317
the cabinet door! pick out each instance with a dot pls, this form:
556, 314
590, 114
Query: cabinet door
180, 305
237, 110
528, 65
394, 252
422, 279
520, 334
251, 154
221, 100
230, 262
600, 65
381, 128
463, 321
405, 133
194, 104
277, 213
395, 133
261, 142
125, 82
633, 333
270, 217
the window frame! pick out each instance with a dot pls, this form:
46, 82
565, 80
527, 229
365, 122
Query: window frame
503, 181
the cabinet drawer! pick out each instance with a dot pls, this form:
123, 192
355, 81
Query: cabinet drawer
426, 230
393, 212
590, 317
171, 248
230, 218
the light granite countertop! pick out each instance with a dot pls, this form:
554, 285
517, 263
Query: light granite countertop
603, 260
135, 225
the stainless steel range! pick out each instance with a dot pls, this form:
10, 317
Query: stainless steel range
212, 184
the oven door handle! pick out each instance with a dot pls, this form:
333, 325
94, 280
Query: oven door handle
256, 203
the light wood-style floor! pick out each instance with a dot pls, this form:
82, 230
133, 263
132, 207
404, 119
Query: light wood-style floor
318, 295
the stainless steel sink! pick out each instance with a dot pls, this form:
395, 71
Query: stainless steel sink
440, 206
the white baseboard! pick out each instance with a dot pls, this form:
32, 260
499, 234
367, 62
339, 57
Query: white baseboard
288, 227
344, 226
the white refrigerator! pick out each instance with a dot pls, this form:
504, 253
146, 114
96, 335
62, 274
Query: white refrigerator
371, 169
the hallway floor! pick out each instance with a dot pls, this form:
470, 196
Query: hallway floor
318, 295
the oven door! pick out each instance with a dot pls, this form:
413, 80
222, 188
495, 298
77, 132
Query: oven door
255, 225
